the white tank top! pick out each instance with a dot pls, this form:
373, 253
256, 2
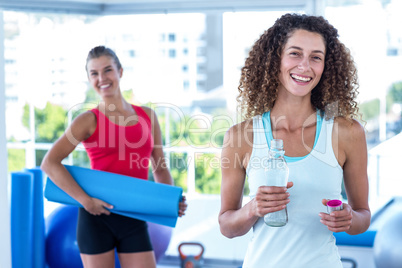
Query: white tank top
304, 241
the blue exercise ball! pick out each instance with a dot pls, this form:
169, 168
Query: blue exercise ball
61, 243
388, 243
61, 247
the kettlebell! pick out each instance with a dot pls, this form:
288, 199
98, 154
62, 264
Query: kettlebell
191, 261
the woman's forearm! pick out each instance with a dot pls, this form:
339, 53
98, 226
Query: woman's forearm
360, 221
63, 179
234, 223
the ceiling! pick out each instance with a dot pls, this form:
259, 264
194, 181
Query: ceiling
109, 7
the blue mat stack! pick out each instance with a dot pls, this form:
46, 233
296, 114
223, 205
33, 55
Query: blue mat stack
140, 199
27, 219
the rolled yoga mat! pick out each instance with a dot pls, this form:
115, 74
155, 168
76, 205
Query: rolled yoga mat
38, 224
132, 197
21, 219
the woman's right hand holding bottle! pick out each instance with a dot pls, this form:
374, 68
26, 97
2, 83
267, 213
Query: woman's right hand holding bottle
269, 199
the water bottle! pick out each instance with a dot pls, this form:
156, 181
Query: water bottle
276, 174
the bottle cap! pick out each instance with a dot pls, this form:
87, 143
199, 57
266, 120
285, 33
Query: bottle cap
276, 144
334, 203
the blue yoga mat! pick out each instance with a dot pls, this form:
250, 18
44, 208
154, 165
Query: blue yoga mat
38, 225
365, 239
21, 219
132, 197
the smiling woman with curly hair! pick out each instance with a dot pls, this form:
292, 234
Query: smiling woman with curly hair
298, 85
337, 89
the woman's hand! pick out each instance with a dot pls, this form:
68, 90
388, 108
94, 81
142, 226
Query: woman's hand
97, 207
182, 206
270, 199
337, 221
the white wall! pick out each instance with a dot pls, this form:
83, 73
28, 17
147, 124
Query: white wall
5, 241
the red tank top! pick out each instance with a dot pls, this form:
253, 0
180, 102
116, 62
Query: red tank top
121, 149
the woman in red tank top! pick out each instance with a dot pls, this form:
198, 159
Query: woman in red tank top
120, 138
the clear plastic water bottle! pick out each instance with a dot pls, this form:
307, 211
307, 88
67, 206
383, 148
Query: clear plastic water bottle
276, 174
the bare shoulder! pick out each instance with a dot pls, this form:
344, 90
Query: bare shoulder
85, 119
149, 111
152, 116
81, 128
246, 125
238, 142
349, 140
240, 132
349, 130
84, 124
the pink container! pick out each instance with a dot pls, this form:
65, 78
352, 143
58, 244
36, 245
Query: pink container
334, 205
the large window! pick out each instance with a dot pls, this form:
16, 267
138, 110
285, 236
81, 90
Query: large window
47, 84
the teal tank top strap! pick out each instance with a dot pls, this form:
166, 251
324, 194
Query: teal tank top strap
266, 121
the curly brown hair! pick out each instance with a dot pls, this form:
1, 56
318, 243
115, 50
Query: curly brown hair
335, 93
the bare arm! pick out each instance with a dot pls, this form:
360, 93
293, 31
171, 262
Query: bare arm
235, 219
352, 154
159, 165
81, 128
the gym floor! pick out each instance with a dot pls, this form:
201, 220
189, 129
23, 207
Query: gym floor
174, 262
